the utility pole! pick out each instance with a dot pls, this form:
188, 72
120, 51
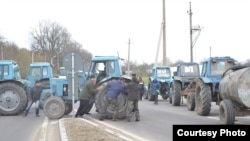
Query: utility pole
210, 51
1, 51
32, 55
164, 35
128, 69
191, 32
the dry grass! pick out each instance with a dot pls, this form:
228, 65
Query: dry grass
80, 130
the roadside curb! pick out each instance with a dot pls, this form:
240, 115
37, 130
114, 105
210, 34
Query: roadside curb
109, 131
118, 132
63, 134
64, 137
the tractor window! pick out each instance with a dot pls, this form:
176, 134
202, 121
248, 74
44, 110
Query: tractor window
17, 74
204, 66
153, 71
190, 70
5, 70
36, 71
45, 71
163, 73
219, 67
110, 68
100, 67
97, 68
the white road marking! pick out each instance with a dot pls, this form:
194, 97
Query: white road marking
217, 118
43, 130
62, 129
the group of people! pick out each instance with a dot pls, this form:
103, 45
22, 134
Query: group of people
114, 88
132, 89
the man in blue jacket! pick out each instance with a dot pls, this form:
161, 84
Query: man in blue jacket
114, 88
155, 85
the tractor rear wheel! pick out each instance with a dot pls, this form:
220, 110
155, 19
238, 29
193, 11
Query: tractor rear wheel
176, 95
54, 107
203, 98
122, 104
13, 99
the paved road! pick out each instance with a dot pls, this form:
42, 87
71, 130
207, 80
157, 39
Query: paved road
30, 128
155, 125
157, 120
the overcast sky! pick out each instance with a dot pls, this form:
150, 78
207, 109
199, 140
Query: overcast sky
103, 27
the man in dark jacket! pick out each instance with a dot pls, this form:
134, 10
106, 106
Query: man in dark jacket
114, 88
88, 92
35, 94
133, 97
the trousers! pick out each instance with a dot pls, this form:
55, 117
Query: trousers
26, 111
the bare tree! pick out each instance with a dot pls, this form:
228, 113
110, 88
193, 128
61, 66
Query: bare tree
50, 38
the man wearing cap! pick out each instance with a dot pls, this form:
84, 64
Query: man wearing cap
88, 92
35, 94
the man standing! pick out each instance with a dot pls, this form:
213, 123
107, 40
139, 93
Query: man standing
141, 87
133, 97
114, 88
35, 94
155, 90
88, 92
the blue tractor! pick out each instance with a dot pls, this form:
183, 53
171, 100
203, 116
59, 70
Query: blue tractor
163, 75
13, 98
107, 68
184, 82
207, 85
54, 99
38, 71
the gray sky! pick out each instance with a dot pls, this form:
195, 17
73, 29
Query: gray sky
103, 27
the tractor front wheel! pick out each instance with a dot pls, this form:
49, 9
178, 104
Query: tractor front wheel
54, 107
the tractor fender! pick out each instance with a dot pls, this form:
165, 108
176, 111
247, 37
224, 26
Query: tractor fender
206, 80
